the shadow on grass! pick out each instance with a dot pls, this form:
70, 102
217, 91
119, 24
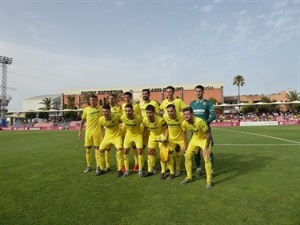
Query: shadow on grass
233, 165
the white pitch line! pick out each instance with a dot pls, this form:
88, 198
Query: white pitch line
261, 135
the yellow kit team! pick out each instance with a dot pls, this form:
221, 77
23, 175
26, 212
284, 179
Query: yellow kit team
135, 126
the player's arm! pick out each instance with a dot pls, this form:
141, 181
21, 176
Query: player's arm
146, 132
102, 131
185, 141
212, 113
82, 122
182, 105
167, 132
208, 138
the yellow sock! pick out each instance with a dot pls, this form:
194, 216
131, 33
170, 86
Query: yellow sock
208, 169
107, 159
178, 160
154, 159
188, 164
120, 160
163, 167
170, 164
141, 161
150, 163
135, 156
102, 160
126, 161
88, 157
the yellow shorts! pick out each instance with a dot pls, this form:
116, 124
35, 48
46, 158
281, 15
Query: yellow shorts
92, 138
173, 143
129, 139
195, 144
152, 143
108, 141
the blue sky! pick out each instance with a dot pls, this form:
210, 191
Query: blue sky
59, 45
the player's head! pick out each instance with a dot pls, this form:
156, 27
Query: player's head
199, 89
106, 111
93, 100
170, 92
111, 98
129, 110
128, 97
146, 94
171, 110
150, 109
188, 114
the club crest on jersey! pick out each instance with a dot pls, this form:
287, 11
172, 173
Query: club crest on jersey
204, 103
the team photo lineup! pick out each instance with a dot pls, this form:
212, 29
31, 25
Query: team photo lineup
163, 128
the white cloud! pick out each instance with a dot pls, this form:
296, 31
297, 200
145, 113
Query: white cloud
207, 8
31, 15
280, 4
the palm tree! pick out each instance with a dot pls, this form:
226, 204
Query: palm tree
47, 102
85, 100
293, 96
71, 102
239, 81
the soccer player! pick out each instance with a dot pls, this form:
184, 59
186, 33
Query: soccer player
91, 116
203, 109
201, 138
179, 104
155, 126
114, 109
147, 101
143, 104
175, 138
136, 109
134, 134
112, 136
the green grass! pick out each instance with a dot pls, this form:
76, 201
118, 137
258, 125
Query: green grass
256, 181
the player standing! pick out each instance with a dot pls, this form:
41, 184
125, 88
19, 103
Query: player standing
112, 136
200, 139
91, 116
155, 126
136, 110
114, 109
175, 138
134, 135
203, 109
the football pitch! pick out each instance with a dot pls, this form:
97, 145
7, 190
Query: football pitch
256, 182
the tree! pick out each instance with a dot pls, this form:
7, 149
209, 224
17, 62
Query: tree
30, 115
47, 102
71, 102
293, 96
239, 81
213, 100
85, 99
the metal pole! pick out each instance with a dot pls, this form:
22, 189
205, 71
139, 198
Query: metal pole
4, 88
4, 61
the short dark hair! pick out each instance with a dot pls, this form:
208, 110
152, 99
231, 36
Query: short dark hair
106, 107
189, 109
129, 106
112, 95
147, 90
128, 93
150, 108
171, 106
199, 87
93, 96
170, 87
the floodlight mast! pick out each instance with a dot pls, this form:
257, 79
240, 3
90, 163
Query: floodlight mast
4, 61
